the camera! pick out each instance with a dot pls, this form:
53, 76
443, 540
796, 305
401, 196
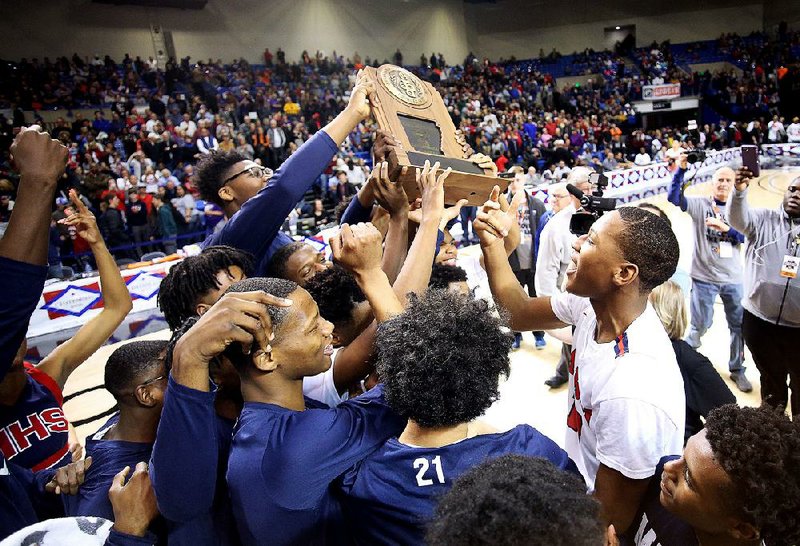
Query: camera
594, 205
696, 156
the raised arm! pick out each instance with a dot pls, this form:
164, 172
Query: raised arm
185, 458
23, 250
675, 195
65, 358
739, 214
392, 197
492, 225
416, 271
255, 225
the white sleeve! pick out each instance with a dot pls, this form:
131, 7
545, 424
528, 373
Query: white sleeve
568, 307
632, 436
321, 387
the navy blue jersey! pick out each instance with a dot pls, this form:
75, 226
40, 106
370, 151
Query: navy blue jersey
34, 432
282, 463
255, 227
188, 468
108, 458
653, 524
389, 497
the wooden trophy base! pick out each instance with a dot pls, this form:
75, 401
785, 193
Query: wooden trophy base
414, 113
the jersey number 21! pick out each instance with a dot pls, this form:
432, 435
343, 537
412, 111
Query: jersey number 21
422, 464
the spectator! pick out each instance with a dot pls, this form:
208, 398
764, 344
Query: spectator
642, 158
112, 223
207, 142
771, 320
137, 215
166, 228
716, 267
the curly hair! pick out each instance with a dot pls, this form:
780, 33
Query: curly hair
514, 500
336, 292
277, 263
648, 242
759, 448
129, 362
443, 275
210, 173
189, 280
441, 359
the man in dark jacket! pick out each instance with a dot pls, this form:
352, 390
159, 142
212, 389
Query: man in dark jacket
167, 228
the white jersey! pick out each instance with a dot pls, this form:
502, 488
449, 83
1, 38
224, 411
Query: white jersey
477, 280
321, 387
626, 401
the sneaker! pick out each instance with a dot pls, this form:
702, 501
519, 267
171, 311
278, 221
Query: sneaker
540, 343
555, 381
517, 341
742, 383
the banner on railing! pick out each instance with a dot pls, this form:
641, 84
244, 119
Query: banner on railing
661, 92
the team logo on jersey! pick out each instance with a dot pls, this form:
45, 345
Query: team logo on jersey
621, 345
16, 437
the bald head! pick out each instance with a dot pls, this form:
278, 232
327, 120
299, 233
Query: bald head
722, 182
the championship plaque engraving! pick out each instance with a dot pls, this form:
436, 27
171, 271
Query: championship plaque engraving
414, 112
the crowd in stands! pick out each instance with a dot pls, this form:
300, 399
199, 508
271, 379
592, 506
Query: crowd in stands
153, 123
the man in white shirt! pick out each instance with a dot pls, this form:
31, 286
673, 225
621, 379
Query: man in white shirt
188, 126
207, 143
626, 401
793, 130
775, 130
642, 158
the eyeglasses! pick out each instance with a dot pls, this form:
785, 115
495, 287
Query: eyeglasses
150, 381
560, 195
256, 171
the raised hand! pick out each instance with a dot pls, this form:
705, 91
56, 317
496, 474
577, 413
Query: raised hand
240, 317
466, 149
431, 188
717, 224
451, 213
384, 146
389, 195
492, 223
134, 502
37, 156
484, 162
743, 178
358, 248
69, 478
362, 95
84, 221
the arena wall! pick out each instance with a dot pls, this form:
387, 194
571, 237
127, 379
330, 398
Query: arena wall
678, 27
228, 29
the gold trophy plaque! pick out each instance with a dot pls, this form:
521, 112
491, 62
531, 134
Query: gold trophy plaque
414, 112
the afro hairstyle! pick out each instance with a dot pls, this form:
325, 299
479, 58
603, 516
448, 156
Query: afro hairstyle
128, 363
443, 275
648, 242
759, 449
514, 500
189, 280
210, 171
336, 292
441, 359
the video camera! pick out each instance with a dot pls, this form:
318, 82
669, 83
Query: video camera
594, 205
696, 156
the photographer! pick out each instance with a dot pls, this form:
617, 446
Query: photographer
771, 322
716, 264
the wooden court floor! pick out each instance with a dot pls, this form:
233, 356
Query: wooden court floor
524, 397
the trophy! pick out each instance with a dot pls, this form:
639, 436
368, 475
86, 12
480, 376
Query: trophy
414, 112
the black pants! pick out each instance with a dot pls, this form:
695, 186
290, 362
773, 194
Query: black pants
774, 350
525, 278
